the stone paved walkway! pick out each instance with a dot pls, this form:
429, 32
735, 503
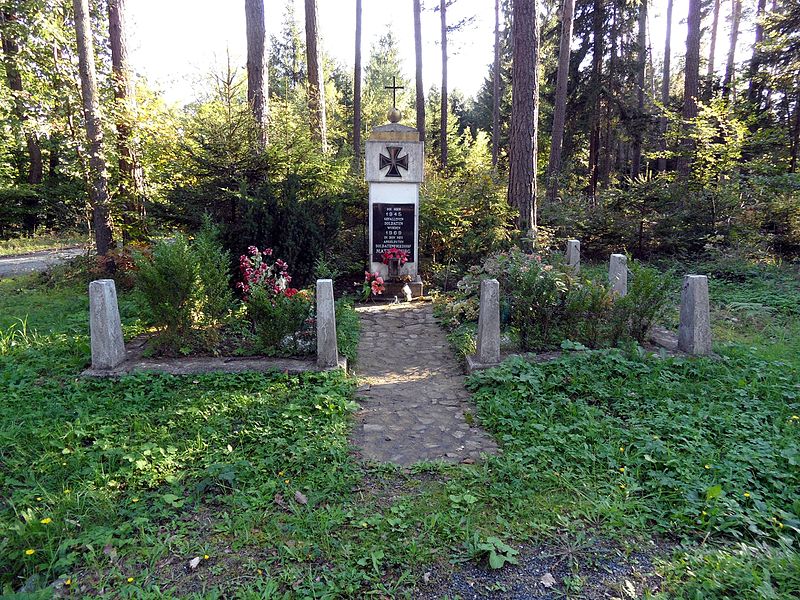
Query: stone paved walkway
412, 391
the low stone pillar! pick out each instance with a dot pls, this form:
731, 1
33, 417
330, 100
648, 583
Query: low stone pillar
573, 256
488, 350
694, 333
108, 345
327, 349
618, 274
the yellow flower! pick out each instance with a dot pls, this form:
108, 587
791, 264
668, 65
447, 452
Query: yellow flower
708, 466
621, 449
704, 513
780, 525
622, 486
285, 481
30, 551
68, 582
46, 521
134, 499
67, 491
280, 473
747, 494
795, 418
622, 469
38, 498
206, 556
130, 579
260, 572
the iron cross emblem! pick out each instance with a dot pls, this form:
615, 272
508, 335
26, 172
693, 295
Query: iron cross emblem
393, 161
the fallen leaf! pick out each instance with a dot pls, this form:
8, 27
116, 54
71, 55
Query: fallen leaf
278, 499
194, 563
110, 552
300, 498
548, 580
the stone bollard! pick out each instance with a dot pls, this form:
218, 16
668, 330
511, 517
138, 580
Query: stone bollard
618, 274
574, 255
108, 345
694, 333
327, 349
488, 351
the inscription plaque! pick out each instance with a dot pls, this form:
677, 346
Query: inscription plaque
393, 227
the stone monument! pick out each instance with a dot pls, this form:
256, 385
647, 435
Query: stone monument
394, 171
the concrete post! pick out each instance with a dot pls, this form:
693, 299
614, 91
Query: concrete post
327, 349
108, 345
489, 323
618, 274
694, 333
574, 255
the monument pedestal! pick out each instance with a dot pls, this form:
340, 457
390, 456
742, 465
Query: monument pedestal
394, 171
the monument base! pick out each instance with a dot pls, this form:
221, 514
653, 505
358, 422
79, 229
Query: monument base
395, 288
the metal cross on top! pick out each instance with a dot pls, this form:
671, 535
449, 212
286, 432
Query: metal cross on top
394, 87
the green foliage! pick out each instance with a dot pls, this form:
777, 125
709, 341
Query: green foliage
279, 319
184, 289
348, 330
546, 303
216, 297
167, 283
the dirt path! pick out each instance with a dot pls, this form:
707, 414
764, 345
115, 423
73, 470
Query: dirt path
414, 404
21, 264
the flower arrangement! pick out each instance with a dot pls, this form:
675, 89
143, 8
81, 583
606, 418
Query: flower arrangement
373, 285
258, 272
395, 254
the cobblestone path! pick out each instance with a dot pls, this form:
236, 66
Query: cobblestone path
412, 391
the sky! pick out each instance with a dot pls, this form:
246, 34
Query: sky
177, 43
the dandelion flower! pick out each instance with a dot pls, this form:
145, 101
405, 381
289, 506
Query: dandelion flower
285, 481
747, 494
38, 498
68, 582
46, 521
708, 466
30, 551
206, 557
622, 469
130, 579
134, 499
621, 449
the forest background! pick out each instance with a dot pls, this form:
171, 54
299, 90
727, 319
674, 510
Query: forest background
657, 157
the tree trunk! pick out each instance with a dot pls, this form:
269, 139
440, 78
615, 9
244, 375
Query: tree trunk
796, 132
598, 17
736, 14
496, 87
443, 132
560, 102
316, 87
357, 92
257, 70
130, 174
754, 89
524, 114
419, 87
712, 51
636, 159
691, 80
662, 125
98, 183
14, 80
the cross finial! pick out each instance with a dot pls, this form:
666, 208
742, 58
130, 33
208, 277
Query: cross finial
394, 87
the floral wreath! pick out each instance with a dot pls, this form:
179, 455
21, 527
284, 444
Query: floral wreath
395, 254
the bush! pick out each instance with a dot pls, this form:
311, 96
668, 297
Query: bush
167, 283
185, 289
278, 319
546, 303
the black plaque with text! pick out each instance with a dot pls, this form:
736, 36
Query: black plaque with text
393, 227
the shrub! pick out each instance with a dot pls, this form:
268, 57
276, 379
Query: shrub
278, 319
216, 297
645, 304
168, 285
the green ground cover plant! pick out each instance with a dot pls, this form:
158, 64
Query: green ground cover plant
116, 485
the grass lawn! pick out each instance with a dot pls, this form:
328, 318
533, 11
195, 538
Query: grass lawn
113, 487
44, 241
